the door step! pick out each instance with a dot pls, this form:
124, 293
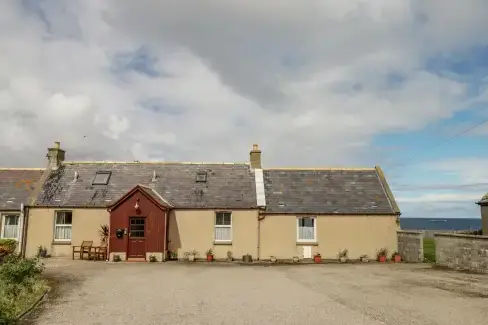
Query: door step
136, 259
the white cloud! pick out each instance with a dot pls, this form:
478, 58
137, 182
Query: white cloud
307, 82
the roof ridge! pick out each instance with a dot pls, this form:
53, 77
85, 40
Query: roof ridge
154, 162
21, 168
322, 168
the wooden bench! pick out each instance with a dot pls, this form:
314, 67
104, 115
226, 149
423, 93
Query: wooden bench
85, 247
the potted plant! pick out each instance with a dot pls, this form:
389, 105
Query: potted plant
317, 258
41, 251
343, 255
364, 258
395, 257
230, 258
116, 258
152, 258
247, 258
190, 256
382, 254
296, 259
210, 256
103, 231
272, 259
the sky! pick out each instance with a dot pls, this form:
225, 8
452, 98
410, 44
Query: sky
337, 83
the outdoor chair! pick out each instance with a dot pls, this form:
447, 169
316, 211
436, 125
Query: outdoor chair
85, 247
100, 252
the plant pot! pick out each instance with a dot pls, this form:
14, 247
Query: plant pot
209, 258
272, 259
364, 259
247, 258
191, 258
382, 259
296, 259
397, 258
343, 259
317, 259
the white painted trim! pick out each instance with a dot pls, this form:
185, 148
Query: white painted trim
314, 230
62, 225
2, 228
260, 193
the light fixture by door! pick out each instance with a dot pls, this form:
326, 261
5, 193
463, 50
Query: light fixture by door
137, 204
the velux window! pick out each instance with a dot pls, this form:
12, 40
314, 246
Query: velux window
223, 227
306, 229
201, 177
63, 221
102, 178
10, 226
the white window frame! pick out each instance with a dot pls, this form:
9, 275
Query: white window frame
223, 226
62, 225
314, 229
3, 217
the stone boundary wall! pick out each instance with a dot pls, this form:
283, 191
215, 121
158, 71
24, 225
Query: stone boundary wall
462, 252
411, 246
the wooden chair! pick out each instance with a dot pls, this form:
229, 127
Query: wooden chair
100, 252
85, 247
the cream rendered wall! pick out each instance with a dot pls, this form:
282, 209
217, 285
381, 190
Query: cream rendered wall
359, 234
85, 225
194, 229
484, 220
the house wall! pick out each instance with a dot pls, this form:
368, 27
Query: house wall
484, 219
155, 225
194, 229
40, 229
358, 234
462, 252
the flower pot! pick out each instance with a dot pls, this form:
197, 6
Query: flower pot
364, 259
247, 258
296, 259
209, 258
382, 259
191, 258
272, 259
397, 258
343, 259
317, 258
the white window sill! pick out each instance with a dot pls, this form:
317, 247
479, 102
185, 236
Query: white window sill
307, 243
61, 242
223, 242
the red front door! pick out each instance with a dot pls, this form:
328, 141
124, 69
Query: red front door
137, 237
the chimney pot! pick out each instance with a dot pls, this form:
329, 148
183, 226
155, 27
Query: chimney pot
55, 156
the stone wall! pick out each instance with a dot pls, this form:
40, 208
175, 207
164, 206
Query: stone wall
462, 252
411, 246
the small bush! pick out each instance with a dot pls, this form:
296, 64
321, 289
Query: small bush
17, 270
7, 246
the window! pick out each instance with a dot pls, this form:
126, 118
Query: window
306, 229
102, 178
223, 227
62, 225
202, 177
10, 226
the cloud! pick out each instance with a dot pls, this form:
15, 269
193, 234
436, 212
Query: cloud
145, 80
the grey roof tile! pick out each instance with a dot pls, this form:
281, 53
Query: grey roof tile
325, 192
227, 186
17, 186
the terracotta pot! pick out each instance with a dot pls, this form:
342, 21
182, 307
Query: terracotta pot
317, 259
209, 258
382, 259
397, 258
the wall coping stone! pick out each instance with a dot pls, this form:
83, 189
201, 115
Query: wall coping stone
410, 232
461, 236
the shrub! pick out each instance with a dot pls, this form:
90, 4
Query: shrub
7, 246
18, 271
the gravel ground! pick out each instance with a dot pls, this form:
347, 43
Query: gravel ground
175, 293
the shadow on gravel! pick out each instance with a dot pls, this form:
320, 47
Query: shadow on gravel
61, 284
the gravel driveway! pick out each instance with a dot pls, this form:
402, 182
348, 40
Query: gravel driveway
174, 293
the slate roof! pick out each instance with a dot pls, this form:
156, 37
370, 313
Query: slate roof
227, 185
16, 186
327, 192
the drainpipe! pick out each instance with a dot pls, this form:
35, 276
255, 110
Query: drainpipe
165, 247
24, 221
260, 218
20, 237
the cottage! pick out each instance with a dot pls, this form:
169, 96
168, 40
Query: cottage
17, 189
241, 208
483, 203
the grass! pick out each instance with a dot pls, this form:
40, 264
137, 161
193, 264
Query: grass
429, 250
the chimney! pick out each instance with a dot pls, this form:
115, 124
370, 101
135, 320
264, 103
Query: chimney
55, 156
255, 157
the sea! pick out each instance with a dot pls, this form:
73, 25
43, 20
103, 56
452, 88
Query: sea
440, 224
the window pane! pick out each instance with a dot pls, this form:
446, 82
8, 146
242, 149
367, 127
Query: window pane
11, 220
101, 178
306, 227
223, 219
63, 218
62, 232
306, 222
11, 226
223, 233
